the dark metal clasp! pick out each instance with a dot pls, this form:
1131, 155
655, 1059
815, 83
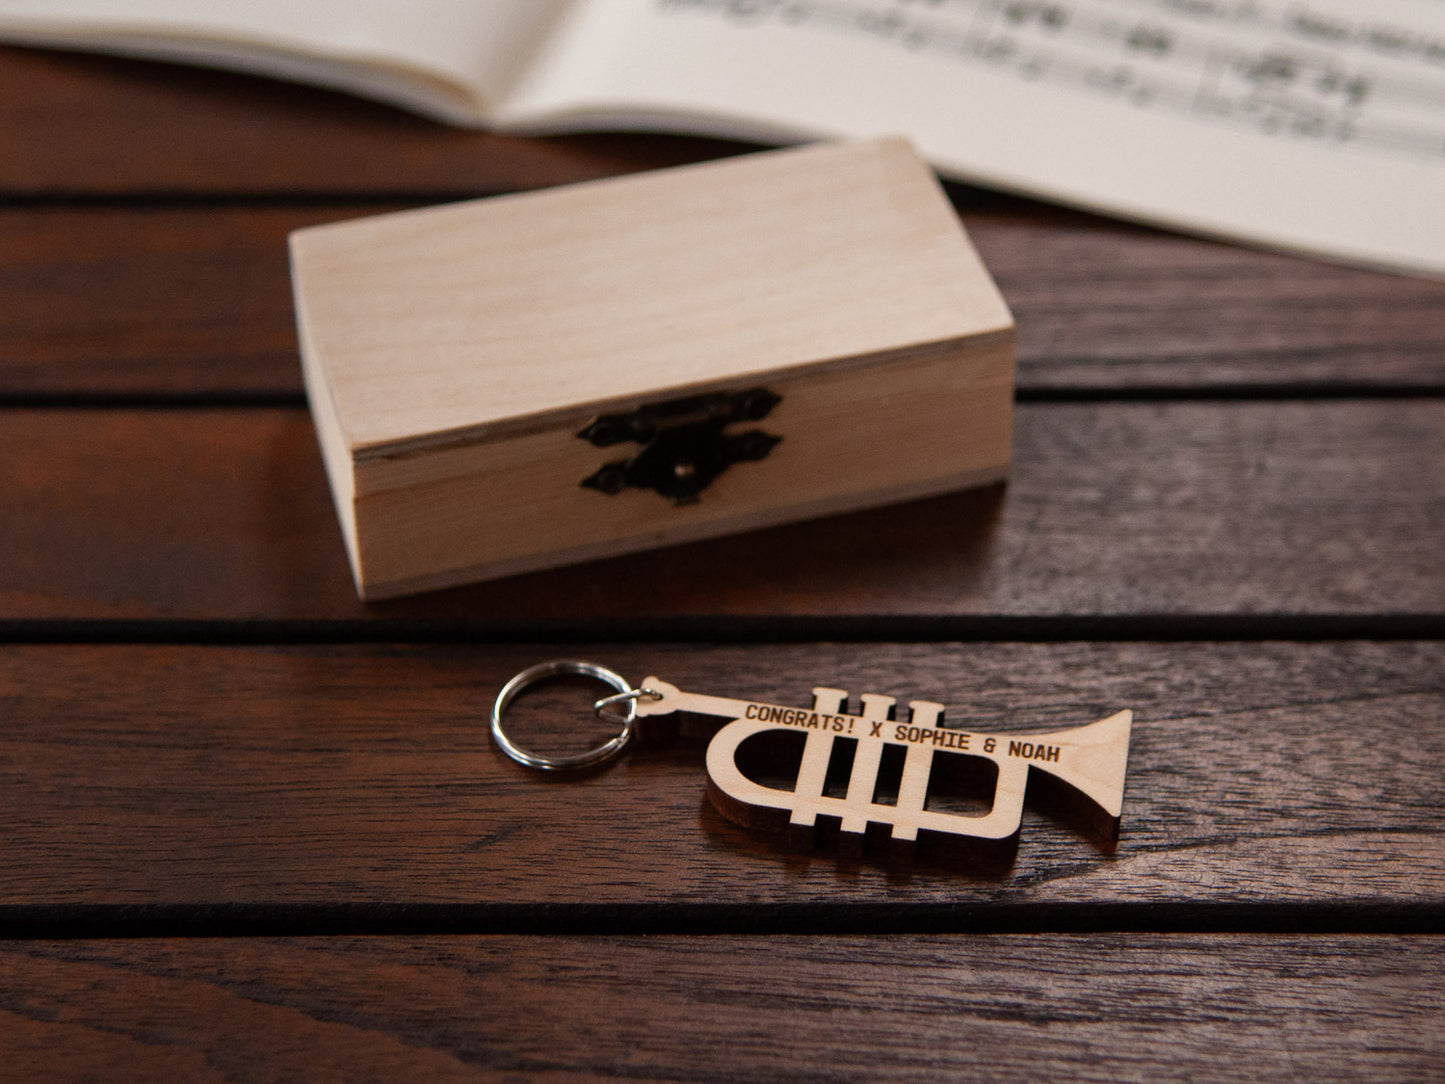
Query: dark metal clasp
684, 445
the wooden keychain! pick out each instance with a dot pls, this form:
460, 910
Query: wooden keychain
1090, 759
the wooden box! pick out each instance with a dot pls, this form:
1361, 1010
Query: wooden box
519, 382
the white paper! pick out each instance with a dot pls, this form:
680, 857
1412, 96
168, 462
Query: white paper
1315, 126
447, 58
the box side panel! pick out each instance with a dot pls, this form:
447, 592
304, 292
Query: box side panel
850, 439
335, 448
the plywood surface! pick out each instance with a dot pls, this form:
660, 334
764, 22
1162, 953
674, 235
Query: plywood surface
473, 318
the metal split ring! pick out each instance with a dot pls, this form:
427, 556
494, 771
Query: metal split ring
630, 697
561, 668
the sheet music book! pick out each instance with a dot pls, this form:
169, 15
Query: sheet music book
1315, 126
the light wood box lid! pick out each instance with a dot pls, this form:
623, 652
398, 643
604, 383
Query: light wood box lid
476, 320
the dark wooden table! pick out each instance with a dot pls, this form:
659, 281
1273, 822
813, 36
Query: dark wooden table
252, 828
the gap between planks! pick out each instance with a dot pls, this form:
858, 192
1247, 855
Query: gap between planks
1139, 628
778, 920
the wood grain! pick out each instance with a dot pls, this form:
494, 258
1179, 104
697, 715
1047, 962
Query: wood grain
1139, 510
181, 301
1101, 305
169, 786
74, 125
612, 291
1091, 758
1103, 1008
171, 300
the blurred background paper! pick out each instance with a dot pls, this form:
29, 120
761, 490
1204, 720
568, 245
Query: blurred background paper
1316, 127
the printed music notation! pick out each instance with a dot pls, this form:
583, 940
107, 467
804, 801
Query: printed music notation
1282, 70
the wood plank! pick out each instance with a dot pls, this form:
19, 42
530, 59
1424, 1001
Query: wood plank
171, 300
1100, 305
238, 788
1108, 1007
178, 301
75, 125
1123, 509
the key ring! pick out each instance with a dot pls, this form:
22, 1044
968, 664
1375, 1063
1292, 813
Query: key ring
557, 668
1091, 759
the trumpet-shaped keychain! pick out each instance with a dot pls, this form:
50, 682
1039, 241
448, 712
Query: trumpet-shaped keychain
1090, 759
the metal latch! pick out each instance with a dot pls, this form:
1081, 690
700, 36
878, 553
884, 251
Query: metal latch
684, 446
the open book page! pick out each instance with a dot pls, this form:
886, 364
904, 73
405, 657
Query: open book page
447, 58
1316, 125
